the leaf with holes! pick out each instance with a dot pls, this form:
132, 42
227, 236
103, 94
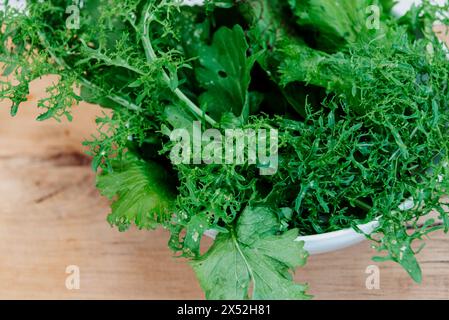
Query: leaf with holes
225, 73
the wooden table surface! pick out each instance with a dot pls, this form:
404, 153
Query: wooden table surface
52, 216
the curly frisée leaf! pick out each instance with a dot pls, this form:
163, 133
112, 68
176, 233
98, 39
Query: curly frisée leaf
337, 21
253, 255
140, 191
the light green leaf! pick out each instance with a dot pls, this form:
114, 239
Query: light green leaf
253, 255
304, 64
336, 21
141, 192
254, 224
399, 247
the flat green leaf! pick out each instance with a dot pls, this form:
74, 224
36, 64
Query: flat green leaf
225, 72
222, 271
254, 225
253, 255
179, 118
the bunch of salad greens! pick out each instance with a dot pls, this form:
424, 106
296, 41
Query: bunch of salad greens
359, 97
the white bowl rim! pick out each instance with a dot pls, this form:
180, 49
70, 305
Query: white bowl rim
366, 228
347, 236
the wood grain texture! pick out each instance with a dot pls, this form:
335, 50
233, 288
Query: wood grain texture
51, 216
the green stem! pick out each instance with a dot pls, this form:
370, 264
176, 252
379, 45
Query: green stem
117, 99
151, 56
362, 205
250, 270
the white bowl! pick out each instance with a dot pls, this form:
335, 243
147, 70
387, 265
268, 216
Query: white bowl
329, 241
336, 240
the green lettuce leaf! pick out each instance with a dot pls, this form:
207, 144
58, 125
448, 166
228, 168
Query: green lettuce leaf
337, 22
141, 192
304, 64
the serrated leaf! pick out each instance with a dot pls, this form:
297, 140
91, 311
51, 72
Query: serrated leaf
409, 262
253, 255
141, 192
255, 225
399, 246
225, 72
336, 21
304, 64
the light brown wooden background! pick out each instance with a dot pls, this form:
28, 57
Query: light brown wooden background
51, 216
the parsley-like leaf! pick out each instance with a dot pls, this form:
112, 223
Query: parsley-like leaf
253, 254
